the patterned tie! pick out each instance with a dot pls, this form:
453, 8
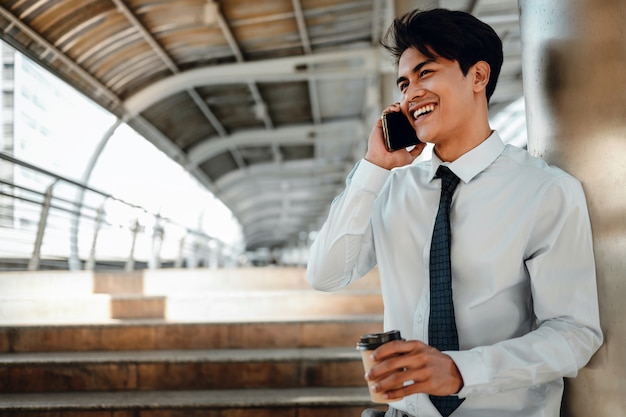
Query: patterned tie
442, 332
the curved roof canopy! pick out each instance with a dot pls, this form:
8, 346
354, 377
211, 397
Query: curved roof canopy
267, 103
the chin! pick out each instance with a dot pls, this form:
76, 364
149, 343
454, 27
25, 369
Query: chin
425, 137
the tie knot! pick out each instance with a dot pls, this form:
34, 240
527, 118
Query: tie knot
449, 180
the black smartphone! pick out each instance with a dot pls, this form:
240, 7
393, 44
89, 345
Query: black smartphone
398, 131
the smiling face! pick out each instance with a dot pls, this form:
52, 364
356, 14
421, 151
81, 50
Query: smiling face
445, 106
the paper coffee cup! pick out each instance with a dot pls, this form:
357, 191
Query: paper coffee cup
369, 343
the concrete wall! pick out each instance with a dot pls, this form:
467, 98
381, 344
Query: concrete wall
574, 68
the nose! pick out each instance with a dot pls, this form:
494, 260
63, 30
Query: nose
414, 92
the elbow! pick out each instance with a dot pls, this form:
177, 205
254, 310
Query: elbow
596, 339
591, 336
320, 279
589, 340
599, 338
313, 276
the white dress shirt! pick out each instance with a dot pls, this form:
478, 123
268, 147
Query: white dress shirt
523, 272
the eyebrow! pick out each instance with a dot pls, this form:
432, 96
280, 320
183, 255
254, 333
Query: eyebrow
417, 68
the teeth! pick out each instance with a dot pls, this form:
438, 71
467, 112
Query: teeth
423, 110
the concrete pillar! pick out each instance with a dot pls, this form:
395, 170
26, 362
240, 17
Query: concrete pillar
574, 69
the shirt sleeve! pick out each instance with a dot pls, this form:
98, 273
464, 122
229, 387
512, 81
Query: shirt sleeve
560, 263
344, 249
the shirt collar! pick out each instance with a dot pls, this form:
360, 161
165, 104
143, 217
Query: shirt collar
471, 163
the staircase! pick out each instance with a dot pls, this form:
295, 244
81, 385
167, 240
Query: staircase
183, 343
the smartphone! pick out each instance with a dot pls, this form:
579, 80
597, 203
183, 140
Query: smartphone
398, 131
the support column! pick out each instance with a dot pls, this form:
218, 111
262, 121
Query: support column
74, 260
574, 69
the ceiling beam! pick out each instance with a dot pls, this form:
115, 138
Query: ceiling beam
344, 130
309, 196
361, 62
147, 36
277, 212
240, 184
234, 46
306, 45
100, 89
322, 183
162, 54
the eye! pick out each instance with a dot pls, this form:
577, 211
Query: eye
424, 73
403, 86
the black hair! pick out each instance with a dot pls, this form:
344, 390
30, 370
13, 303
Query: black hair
453, 35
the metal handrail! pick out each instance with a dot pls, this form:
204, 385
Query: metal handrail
54, 206
58, 177
50, 236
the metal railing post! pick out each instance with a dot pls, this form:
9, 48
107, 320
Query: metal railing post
130, 263
192, 253
181, 253
33, 263
157, 242
91, 262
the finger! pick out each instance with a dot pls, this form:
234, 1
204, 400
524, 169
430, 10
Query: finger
399, 393
411, 381
399, 364
398, 347
391, 380
417, 150
392, 108
399, 385
411, 384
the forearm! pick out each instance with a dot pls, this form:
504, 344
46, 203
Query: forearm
556, 349
343, 249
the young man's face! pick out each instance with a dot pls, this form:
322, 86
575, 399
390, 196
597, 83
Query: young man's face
436, 96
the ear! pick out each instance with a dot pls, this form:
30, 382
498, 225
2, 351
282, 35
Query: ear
481, 71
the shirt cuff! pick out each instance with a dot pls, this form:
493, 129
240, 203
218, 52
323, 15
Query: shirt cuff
472, 369
369, 176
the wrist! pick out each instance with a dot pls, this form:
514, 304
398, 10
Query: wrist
456, 380
379, 162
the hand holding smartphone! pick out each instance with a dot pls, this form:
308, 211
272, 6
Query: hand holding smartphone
398, 131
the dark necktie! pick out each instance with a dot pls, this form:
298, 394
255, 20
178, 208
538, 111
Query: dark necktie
442, 332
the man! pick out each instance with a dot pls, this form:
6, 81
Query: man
521, 257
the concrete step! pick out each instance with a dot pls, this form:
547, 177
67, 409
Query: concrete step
161, 282
237, 294
301, 402
138, 306
92, 308
341, 331
193, 281
249, 305
55, 308
221, 305
180, 370
46, 283
118, 282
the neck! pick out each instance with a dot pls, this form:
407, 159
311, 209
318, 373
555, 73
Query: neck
452, 150
467, 135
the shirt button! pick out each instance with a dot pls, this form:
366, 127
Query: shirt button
419, 318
